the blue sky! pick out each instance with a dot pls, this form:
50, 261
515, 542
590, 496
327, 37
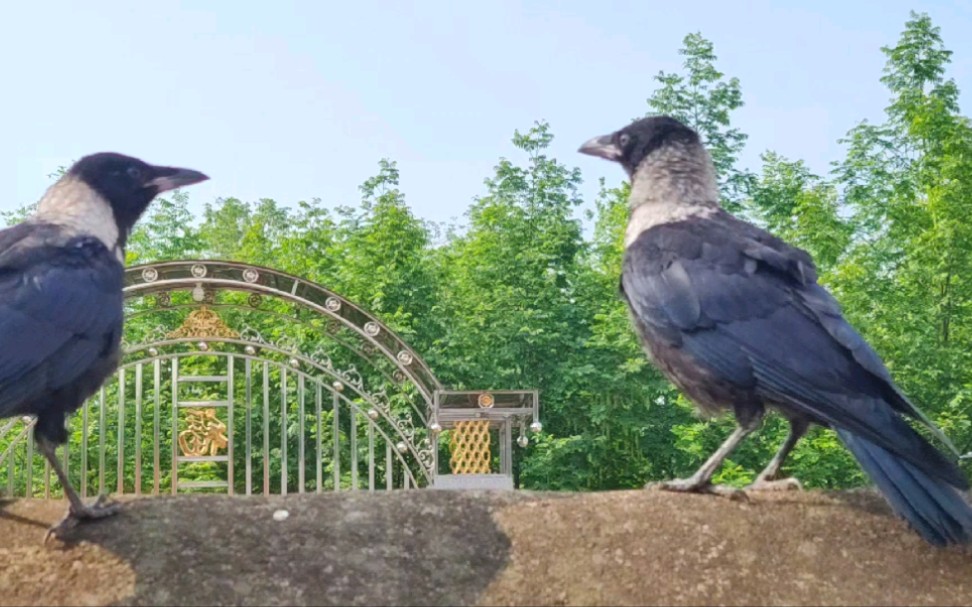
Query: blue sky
295, 100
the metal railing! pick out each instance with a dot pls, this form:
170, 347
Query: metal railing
227, 421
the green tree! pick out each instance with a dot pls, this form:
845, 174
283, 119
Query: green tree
907, 184
704, 99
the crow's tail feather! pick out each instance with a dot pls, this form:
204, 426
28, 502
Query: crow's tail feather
935, 509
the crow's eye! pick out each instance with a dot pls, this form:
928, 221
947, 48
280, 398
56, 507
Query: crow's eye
624, 139
134, 173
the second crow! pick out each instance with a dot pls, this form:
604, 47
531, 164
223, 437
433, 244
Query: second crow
735, 318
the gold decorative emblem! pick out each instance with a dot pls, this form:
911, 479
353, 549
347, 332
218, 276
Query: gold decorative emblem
203, 323
486, 400
206, 434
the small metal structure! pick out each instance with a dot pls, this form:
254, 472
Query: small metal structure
242, 379
474, 417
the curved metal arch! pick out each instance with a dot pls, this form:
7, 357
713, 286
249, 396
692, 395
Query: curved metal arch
146, 279
364, 356
423, 460
375, 400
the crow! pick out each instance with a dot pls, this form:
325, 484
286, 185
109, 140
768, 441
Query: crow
61, 318
734, 317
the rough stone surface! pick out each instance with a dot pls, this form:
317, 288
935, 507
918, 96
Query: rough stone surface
442, 547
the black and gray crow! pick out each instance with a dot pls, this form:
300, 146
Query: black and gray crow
61, 275
735, 318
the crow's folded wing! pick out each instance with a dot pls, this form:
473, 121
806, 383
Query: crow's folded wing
60, 310
747, 306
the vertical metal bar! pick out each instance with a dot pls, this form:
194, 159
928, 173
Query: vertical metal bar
354, 449
29, 489
175, 426
507, 450
283, 430
388, 465
10, 472
157, 427
138, 429
102, 423
371, 456
318, 425
230, 426
248, 370
120, 481
336, 440
300, 445
67, 458
84, 449
266, 428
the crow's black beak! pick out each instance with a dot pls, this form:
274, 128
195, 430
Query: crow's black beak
602, 146
170, 178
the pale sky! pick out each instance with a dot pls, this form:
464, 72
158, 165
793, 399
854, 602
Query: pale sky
300, 99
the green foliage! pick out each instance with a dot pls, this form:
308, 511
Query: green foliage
704, 99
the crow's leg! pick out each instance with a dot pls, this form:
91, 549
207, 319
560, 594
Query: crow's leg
701, 481
767, 481
78, 511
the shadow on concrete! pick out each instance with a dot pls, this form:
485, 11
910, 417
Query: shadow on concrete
410, 547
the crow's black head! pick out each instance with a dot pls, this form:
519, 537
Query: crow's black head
632, 144
128, 184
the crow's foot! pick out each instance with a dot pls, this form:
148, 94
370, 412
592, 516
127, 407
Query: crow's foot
782, 484
102, 508
691, 485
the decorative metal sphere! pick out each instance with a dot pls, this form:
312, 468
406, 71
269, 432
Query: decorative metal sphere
338, 386
294, 362
198, 293
250, 350
523, 441
435, 428
203, 346
402, 447
153, 351
536, 427
373, 413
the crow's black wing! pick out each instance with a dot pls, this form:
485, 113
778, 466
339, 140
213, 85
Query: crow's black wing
60, 310
746, 306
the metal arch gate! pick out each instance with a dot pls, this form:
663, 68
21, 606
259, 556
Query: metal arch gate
321, 394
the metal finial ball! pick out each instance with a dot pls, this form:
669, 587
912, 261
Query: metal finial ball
203, 346
402, 447
338, 386
373, 413
536, 427
250, 350
153, 351
523, 441
435, 428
